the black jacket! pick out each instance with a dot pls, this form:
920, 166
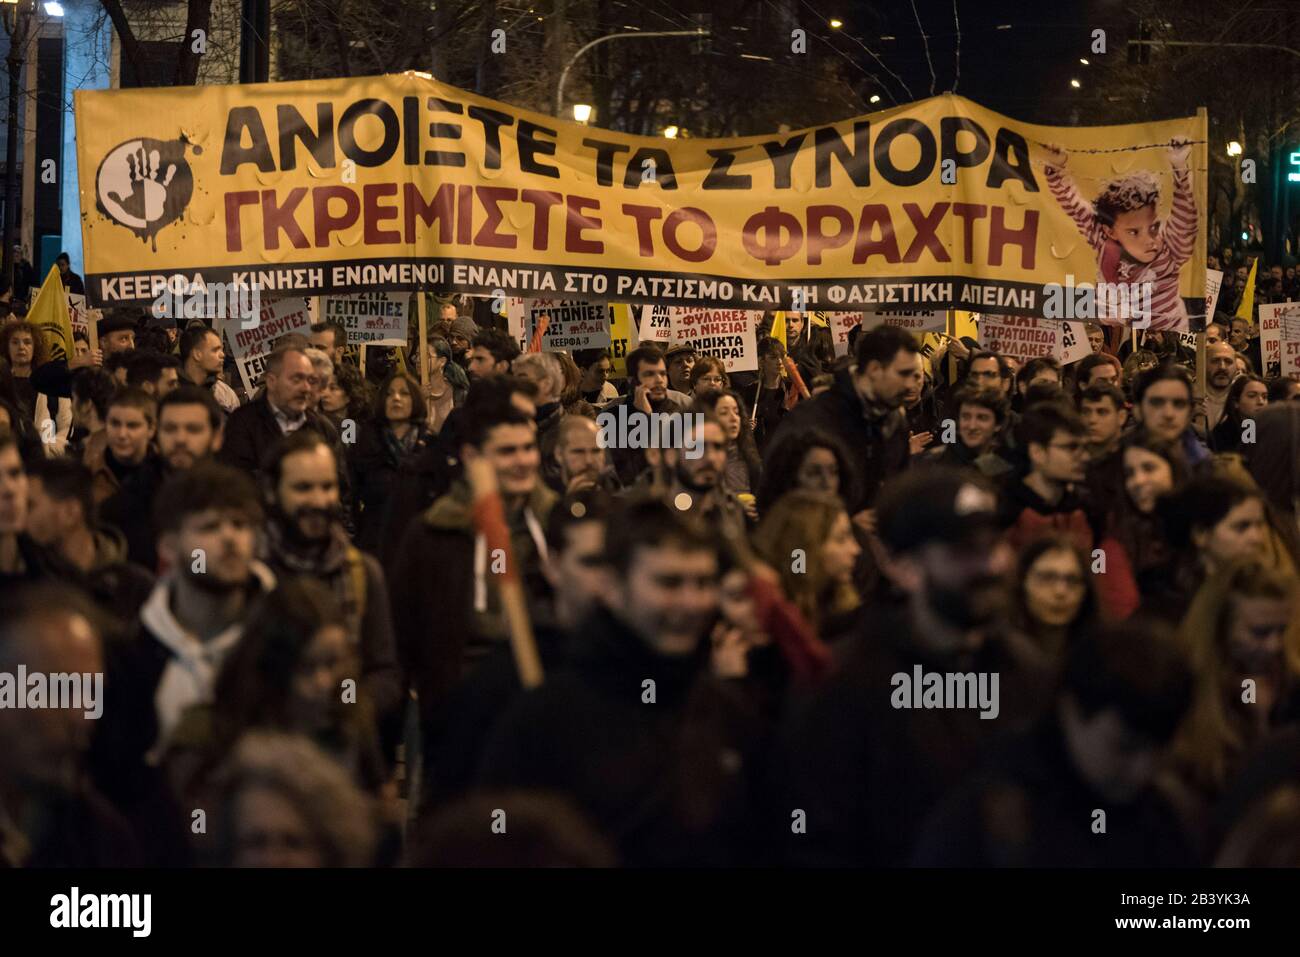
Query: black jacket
251, 431
878, 447
421, 480
374, 468
1030, 808
866, 773
666, 781
130, 511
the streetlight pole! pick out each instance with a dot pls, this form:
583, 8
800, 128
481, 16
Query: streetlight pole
17, 21
564, 74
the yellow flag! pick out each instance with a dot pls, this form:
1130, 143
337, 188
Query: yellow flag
778, 328
49, 313
1247, 308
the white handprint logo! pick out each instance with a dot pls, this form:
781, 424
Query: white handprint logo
145, 184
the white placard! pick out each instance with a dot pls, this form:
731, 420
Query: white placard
251, 346
1020, 337
373, 318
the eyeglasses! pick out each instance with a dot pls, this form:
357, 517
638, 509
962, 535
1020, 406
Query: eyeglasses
711, 379
1068, 579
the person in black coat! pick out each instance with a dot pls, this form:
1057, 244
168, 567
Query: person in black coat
863, 409
865, 757
1125, 692
636, 730
394, 433
253, 429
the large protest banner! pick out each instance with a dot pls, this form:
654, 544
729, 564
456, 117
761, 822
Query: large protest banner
373, 318
250, 340
398, 183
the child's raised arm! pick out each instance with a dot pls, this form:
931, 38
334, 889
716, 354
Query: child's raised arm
1180, 231
1069, 198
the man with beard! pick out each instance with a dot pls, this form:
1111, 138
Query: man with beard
50, 815
864, 770
492, 354
189, 431
863, 409
635, 729
1220, 370
578, 463
331, 338
207, 519
690, 476
446, 604
305, 536
461, 333
648, 393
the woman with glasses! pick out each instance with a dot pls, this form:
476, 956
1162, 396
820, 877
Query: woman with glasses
1055, 598
708, 375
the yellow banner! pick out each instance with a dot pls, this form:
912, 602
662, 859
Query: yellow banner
402, 182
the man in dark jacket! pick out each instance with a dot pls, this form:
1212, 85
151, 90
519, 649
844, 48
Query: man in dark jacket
865, 758
1078, 790
305, 536
446, 607
636, 731
189, 431
648, 395
253, 429
863, 409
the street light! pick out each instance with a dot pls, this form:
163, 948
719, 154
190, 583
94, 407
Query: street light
875, 98
699, 32
670, 132
1076, 84
54, 9
1083, 60
836, 24
582, 112
1234, 148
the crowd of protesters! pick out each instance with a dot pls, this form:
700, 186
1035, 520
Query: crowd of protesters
304, 636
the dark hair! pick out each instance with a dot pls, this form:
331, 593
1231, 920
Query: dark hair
65, 479
136, 399
487, 409
1135, 669
646, 352
589, 357
145, 366
303, 440
1103, 390
191, 339
786, 455
708, 402
1044, 420
1171, 452
1164, 370
980, 355
1201, 504
1037, 547
1278, 387
1083, 371
1035, 366
652, 523
574, 510
340, 334
207, 486
63, 257
187, 394
1047, 392
500, 344
769, 346
996, 402
94, 386
707, 364
118, 360
1237, 388
419, 411
882, 344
